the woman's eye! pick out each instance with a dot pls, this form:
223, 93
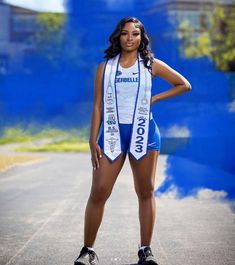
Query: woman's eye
134, 34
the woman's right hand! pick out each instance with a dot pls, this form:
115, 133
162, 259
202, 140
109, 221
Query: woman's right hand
96, 154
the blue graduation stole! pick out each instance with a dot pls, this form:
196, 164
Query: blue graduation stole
140, 122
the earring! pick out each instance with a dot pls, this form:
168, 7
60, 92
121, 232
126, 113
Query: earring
143, 46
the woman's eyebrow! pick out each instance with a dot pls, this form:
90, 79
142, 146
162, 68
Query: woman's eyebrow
124, 30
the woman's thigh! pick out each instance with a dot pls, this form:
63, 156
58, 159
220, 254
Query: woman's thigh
144, 171
105, 176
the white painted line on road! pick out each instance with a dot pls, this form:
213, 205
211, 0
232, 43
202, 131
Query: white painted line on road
57, 211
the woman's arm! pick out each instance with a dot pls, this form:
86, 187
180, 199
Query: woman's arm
180, 83
96, 117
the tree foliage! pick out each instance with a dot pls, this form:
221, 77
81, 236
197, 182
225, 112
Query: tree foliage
216, 38
54, 43
49, 39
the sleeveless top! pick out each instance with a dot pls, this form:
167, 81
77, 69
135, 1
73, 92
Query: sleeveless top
127, 87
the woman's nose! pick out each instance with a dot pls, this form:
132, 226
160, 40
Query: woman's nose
129, 37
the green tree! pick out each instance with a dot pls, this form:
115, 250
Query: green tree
49, 39
54, 43
216, 38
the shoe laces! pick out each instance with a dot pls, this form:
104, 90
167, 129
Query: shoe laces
92, 255
146, 252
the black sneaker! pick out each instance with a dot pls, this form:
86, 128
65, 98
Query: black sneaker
87, 257
146, 257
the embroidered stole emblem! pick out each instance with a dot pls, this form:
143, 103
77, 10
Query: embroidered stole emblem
140, 122
112, 143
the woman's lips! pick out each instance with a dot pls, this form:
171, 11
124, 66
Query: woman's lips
129, 44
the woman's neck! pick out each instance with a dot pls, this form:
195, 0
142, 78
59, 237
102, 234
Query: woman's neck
128, 58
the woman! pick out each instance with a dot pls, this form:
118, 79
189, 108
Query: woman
122, 104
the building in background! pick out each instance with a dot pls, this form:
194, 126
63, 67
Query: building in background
17, 25
195, 11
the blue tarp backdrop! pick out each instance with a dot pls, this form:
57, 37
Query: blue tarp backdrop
197, 128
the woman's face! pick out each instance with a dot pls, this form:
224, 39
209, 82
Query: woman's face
130, 37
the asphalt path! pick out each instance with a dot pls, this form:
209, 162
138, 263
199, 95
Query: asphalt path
42, 211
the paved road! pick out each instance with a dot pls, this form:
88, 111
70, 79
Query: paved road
41, 221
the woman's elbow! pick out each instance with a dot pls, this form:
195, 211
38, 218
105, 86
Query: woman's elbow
187, 87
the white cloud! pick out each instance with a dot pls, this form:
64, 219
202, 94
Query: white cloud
202, 194
171, 193
40, 5
177, 131
231, 106
161, 169
207, 194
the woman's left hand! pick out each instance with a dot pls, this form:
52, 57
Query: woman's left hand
96, 154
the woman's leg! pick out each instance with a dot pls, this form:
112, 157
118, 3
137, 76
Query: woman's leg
102, 184
144, 180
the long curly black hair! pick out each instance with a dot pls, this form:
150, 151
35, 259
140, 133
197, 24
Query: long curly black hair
144, 49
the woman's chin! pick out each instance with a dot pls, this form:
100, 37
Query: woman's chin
129, 49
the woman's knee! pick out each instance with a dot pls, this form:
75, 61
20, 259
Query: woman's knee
145, 193
99, 194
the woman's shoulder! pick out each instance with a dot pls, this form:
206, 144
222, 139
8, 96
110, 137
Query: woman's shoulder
101, 65
157, 62
158, 65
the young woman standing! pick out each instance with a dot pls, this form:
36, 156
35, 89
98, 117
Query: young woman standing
122, 114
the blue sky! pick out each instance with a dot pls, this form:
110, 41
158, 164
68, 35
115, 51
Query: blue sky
40, 5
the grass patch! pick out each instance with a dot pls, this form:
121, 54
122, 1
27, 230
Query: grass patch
14, 135
20, 134
63, 146
49, 133
46, 139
